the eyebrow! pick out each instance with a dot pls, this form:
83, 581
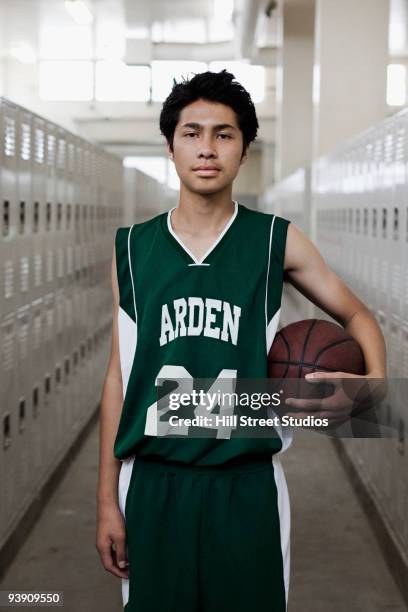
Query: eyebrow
218, 126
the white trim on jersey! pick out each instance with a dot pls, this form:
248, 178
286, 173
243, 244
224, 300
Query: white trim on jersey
267, 281
271, 330
127, 332
199, 262
131, 274
285, 432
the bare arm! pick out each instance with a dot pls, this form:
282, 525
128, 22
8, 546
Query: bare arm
306, 270
110, 410
110, 528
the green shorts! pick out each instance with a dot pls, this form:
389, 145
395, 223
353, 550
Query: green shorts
205, 539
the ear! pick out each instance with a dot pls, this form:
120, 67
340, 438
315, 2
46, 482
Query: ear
169, 151
244, 157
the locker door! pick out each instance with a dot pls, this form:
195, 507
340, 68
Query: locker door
8, 410
23, 417
8, 187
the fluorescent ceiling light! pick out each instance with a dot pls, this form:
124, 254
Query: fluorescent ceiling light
79, 11
23, 53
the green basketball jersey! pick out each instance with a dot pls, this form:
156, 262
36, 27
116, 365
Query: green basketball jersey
189, 318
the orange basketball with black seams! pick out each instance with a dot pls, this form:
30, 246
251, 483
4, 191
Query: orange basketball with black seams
314, 345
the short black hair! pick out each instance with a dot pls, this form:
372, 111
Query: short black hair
213, 87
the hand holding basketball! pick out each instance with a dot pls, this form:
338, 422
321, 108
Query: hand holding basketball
319, 351
344, 402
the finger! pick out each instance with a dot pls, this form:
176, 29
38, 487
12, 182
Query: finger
312, 376
107, 554
336, 401
120, 549
122, 573
336, 404
307, 404
316, 378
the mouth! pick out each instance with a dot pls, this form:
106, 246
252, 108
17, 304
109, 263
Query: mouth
207, 171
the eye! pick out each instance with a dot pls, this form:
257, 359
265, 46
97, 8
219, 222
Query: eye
224, 135
190, 134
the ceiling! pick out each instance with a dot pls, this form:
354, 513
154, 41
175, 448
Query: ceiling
25, 20
137, 13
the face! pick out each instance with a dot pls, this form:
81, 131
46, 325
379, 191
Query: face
207, 135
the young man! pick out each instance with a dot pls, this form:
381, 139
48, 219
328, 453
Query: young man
202, 524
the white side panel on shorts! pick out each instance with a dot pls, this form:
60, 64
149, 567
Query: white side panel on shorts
127, 331
123, 487
284, 519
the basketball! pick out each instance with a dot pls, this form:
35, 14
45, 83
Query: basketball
314, 345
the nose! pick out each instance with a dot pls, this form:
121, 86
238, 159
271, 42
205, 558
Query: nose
206, 148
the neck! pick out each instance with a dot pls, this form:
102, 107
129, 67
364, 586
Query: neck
201, 211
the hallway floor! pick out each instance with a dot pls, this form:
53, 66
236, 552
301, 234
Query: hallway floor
337, 565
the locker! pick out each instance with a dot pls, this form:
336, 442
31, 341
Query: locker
48, 382
396, 177
69, 410
364, 197
21, 409
403, 192
91, 355
359, 198
59, 396
61, 202
9, 446
76, 367
400, 503
404, 350
24, 203
394, 344
378, 279
36, 392
86, 351
403, 448
8, 190
49, 242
